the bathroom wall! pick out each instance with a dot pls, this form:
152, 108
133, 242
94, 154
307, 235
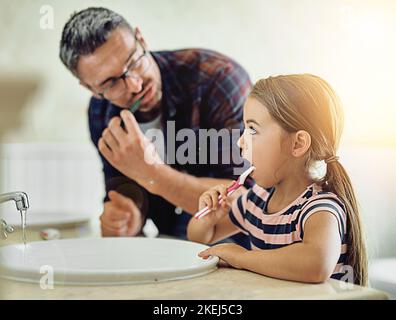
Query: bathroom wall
59, 178
349, 43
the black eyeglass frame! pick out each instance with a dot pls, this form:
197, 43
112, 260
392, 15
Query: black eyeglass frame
125, 74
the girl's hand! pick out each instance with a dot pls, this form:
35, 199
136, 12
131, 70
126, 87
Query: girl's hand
229, 252
216, 225
210, 199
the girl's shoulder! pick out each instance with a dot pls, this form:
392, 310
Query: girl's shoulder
320, 198
318, 192
323, 200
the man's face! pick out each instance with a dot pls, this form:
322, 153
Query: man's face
97, 70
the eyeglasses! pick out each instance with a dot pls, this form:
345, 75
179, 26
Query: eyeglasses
135, 69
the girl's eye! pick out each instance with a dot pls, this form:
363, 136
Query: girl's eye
252, 130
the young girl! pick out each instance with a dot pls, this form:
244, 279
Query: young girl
301, 227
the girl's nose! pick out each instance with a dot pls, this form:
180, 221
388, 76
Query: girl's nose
240, 141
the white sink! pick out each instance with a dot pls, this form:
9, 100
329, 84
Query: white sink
104, 261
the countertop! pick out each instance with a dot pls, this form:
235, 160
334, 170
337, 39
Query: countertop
221, 284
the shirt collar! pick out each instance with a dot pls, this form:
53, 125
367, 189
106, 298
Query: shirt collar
172, 92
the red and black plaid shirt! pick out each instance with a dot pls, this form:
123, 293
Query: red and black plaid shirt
202, 89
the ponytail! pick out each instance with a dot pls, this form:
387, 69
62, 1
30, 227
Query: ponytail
307, 102
338, 182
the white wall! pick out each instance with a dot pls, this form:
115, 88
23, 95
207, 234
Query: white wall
349, 43
373, 174
59, 178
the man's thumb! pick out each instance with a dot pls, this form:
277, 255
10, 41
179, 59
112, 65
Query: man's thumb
121, 200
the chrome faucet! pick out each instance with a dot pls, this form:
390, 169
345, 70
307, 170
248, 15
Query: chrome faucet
21, 202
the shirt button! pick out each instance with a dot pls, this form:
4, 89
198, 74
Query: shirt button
178, 210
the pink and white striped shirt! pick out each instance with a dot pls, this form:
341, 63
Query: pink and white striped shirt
276, 230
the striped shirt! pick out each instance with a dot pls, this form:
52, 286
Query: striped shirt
276, 230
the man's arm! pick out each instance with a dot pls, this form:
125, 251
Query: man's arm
113, 179
134, 155
130, 153
222, 110
180, 189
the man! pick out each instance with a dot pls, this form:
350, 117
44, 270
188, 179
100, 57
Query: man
192, 88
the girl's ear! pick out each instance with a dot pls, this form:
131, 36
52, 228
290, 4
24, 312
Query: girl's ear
89, 88
301, 143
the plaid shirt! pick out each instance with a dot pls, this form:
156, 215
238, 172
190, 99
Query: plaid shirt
202, 89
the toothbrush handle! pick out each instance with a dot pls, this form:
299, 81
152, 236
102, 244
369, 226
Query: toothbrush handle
203, 212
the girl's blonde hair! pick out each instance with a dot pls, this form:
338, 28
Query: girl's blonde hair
307, 102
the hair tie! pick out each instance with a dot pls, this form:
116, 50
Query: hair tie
332, 159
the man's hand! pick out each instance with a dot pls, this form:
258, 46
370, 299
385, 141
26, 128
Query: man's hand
129, 151
121, 217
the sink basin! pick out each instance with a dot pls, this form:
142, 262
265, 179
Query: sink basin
104, 261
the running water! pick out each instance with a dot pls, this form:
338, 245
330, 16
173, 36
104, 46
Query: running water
23, 220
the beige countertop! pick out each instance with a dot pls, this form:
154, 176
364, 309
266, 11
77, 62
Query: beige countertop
221, 284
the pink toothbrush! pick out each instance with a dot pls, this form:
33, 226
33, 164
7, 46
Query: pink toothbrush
235, 185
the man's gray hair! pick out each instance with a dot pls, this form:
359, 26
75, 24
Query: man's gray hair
86, 31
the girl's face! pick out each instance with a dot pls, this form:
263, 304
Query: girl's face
264, 144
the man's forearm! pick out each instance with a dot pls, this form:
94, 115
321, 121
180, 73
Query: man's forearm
180, 189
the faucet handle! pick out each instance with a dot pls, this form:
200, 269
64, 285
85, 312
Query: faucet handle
6, 229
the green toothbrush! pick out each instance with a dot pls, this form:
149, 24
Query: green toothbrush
132, 109
136, 105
